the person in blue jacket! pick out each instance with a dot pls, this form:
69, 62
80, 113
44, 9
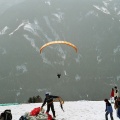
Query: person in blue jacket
108, 110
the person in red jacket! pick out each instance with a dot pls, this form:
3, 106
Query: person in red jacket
112, 95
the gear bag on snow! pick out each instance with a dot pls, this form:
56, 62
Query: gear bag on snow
35, 111
36, 114
22, 118
6, 115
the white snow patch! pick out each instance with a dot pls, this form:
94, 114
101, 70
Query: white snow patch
48, 2
59, 16
32, 42
117, 49
77, 77
45, 60
21, 67
78, 58
17, 28
3, 31
103, 9
51, 28
99, 59
118, 78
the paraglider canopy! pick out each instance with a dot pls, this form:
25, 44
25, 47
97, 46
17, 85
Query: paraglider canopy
58, 42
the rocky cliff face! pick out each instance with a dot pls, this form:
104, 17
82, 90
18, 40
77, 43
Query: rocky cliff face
90, 73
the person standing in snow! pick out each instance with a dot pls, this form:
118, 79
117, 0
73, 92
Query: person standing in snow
117, 107
112, 96
108, 110
49, 99
116, 94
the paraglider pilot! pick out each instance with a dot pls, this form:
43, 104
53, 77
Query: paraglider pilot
49, 99
59, 75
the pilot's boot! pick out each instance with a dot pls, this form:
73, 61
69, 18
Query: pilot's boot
54, 114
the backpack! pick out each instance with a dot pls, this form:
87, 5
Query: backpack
35, 111
6, 115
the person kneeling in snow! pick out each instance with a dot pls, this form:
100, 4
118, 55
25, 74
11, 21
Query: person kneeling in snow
108, 110
49, 99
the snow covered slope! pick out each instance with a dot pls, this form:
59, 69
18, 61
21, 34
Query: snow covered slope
77, 110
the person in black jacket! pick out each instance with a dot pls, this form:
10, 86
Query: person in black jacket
116, 94
117, 107
49, 99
